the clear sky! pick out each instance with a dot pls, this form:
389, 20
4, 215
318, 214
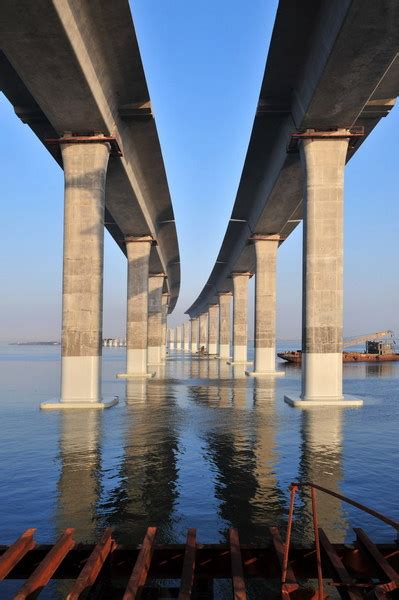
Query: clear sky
204, 63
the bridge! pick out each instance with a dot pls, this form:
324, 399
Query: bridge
73, 72
332, 73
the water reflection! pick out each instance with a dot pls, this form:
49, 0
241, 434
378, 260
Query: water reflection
80, 475
148, 488
321, 463
240, 445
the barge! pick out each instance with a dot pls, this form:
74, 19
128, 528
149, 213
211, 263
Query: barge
375, 351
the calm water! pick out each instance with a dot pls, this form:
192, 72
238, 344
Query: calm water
202, 446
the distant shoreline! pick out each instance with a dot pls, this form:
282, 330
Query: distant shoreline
34, 344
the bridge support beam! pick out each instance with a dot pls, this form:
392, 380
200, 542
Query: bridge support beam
203, 331
165, 341
224, 325
213, 328
240, 318
265, 306
155, 286
186, 336
194, 335
85, 168
323, 162
138, 258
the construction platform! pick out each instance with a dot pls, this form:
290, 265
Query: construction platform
108, 570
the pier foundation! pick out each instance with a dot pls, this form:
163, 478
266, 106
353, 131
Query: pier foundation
165, 339
323, 163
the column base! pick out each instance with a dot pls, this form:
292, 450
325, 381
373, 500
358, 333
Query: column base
239, 362
79, 404
135, 375
265, 373
343, 402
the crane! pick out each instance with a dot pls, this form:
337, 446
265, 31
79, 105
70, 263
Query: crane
366, 338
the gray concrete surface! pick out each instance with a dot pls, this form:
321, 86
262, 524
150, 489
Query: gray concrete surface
155, 318
224, 325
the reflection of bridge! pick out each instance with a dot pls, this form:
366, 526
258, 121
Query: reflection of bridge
332, 73
73, 73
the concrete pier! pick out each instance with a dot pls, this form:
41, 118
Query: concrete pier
186, 336
179, 337
265, 306
85, 167
155, 286
203, 331
172, 344
165, 341
213, 328
138, 255
194, 335
323, 163
224, 325
240, 317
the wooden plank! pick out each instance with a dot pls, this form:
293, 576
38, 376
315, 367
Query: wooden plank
93, 566
381, 561
237, 572
47, 567
14, 553
187, 576
338, 567
140, 570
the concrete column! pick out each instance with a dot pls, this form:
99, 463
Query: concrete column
323, 162
172, 343
165, 341
85, 167
224, 325
138, 257
194, 335
179, 337
213, 328
186, 336
265, 305
240, 317
155, 286
203, 331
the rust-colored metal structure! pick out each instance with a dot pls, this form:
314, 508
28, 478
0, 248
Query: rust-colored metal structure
295, 356
362, 570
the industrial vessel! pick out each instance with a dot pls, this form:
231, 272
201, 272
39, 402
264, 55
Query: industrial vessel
376, 349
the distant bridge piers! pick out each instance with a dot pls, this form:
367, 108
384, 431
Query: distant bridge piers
240, 318
265, 305
155, 318
194, 326
138, 255
213, 328
224, 340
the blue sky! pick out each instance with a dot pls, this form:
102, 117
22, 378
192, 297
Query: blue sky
204, 63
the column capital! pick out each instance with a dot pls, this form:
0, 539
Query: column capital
140, 239
224, 294
334, 133
158, 275
241, 274
267, 237
69, 137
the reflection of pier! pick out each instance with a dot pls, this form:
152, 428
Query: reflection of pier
79, 482
321, 463
148, 475
241, 446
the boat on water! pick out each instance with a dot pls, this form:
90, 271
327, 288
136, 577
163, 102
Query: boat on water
376, 349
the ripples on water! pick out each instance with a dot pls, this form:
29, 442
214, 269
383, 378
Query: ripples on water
201, 446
